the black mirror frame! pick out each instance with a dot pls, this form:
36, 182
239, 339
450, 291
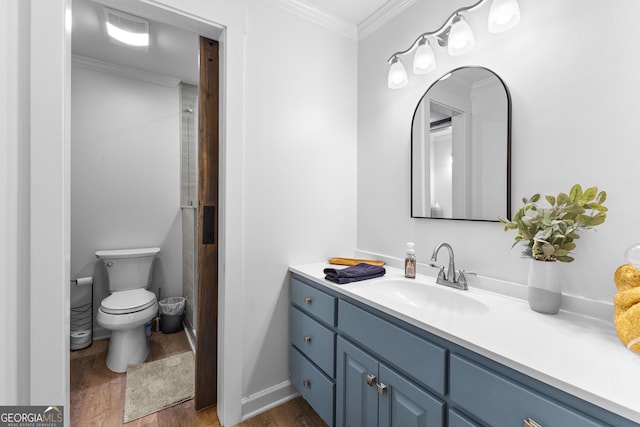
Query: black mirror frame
508, 171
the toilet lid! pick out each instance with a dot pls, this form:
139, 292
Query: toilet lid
128, 301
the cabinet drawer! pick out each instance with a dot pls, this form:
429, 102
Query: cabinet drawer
313, 339
313, 301
497, 400
457, 420
313, 385
421, 360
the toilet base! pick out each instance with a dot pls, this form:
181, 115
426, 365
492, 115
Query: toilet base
127, 347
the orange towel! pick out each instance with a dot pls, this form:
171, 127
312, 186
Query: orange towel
627, 306
354, 261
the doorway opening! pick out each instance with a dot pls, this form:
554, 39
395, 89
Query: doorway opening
206, 233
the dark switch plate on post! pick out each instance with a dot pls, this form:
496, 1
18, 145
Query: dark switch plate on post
209, 225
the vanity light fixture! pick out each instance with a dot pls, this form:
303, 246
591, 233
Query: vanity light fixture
424, 60
127, 29
503, 15
461, 39
455, 34
397, 74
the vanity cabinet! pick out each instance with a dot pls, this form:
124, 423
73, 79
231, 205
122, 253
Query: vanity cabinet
458, 420
312, 350
498, 400
372, 394
420, 359
358, 367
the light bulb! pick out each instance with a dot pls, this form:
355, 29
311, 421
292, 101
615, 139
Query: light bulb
397, 75
632, 255
503, 15
424, 60
461, 38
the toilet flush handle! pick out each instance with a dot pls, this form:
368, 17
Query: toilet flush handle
109, 263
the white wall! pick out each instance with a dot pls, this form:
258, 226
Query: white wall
46, 234
574, 91
300, 175
14, 203
125, 175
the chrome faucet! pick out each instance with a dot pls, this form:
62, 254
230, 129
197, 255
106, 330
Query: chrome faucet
449, 278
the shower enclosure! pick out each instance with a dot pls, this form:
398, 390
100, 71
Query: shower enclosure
189, 202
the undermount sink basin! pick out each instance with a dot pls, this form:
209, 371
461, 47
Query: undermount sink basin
418, 294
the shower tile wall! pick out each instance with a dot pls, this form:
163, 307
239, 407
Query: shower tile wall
189, 190
189, 271
189, 199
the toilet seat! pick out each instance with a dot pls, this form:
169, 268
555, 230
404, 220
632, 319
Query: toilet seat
124, 302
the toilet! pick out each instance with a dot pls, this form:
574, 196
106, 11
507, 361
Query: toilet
130, 305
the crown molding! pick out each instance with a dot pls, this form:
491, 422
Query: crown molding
319, 16
381, 16
376, 20
122, 71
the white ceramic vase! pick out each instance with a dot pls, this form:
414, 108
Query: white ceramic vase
544, 290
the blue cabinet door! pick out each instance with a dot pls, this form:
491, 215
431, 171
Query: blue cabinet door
402, 404
371, 395
356, 400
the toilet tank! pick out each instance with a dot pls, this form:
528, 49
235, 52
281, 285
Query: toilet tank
128, 268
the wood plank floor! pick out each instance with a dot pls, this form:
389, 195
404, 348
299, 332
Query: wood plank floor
97, 394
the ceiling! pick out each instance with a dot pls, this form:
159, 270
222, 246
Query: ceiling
173, 51
351, 11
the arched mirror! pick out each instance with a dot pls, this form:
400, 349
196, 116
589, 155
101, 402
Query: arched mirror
461, 148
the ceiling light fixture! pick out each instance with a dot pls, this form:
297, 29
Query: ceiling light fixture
127, 29
455, 34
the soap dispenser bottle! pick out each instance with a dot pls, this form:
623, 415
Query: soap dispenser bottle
410, 262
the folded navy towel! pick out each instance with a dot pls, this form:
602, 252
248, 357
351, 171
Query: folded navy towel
362, 271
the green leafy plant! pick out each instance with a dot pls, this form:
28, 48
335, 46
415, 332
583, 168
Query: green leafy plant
549, 233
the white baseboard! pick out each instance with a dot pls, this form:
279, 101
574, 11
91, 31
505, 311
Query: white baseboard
100, 333
190, 336
267, 399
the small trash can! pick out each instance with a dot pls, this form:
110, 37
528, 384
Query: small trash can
171, 313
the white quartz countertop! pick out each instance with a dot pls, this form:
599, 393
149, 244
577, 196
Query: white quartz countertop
577, 354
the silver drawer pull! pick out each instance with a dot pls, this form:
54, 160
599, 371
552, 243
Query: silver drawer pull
306, 384
371, 380
382, 389
530, 423
307, 339
308, 300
